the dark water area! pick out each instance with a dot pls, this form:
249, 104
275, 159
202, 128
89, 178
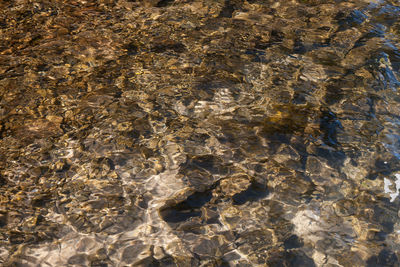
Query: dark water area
200, 133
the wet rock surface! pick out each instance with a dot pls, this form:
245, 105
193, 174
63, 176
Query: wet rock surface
199, 133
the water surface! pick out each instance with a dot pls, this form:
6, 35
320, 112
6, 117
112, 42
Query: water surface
199, 133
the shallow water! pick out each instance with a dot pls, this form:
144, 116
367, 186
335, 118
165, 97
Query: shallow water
199, 133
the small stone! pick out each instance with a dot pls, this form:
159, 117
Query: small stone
158, 252
54, 119
124, 126
345, 207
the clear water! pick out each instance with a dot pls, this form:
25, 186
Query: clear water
199, 133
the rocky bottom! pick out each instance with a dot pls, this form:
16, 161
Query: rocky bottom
199, 133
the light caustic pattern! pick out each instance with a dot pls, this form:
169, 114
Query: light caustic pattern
199, 133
